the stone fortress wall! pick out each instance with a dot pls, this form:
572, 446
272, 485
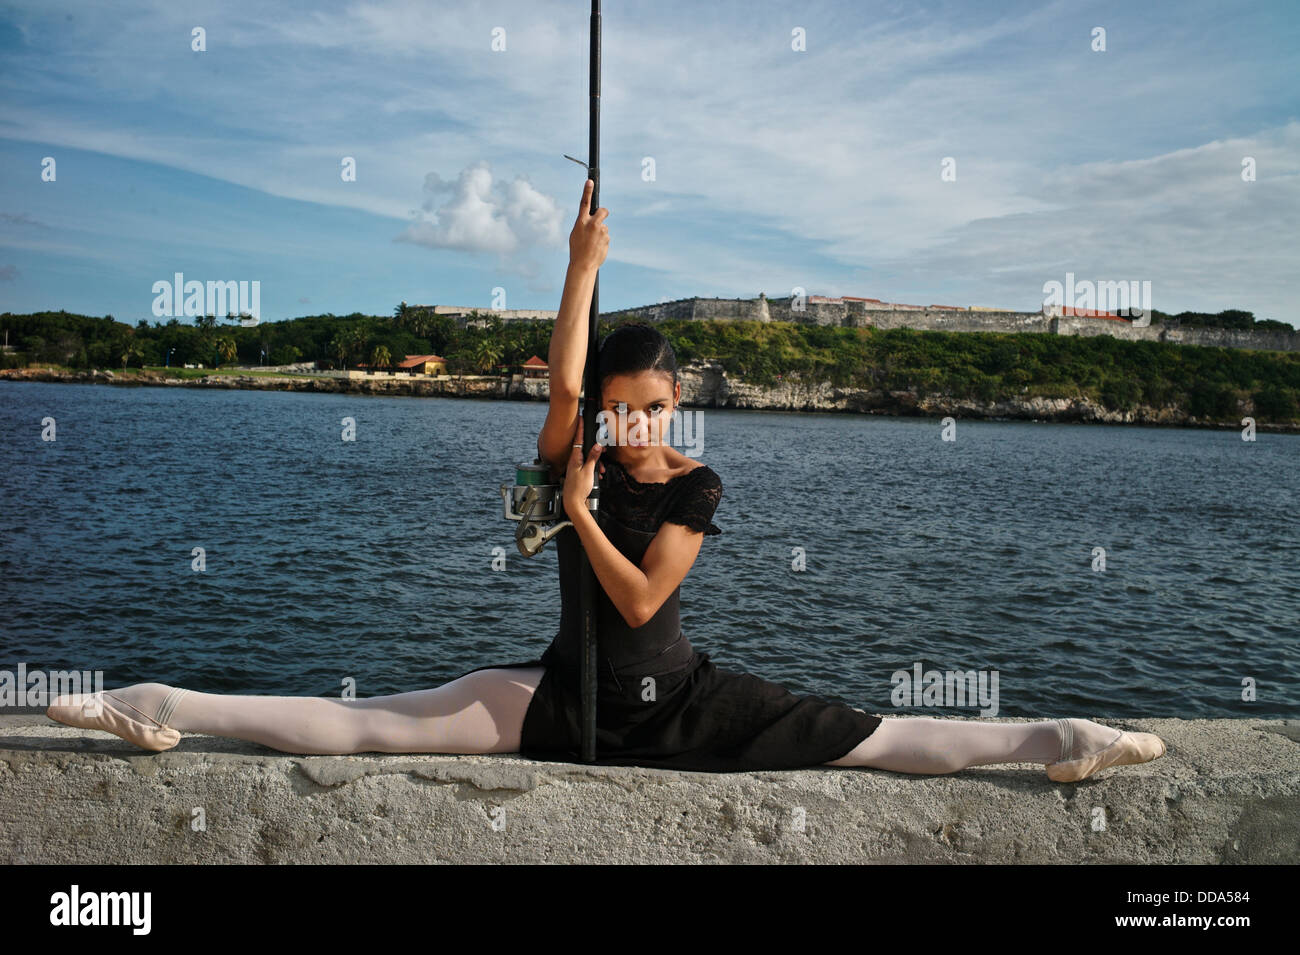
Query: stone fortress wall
851, 312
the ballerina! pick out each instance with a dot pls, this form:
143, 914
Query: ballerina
661, 703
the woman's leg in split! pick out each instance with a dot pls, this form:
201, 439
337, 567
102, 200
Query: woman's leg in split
481, 712
934, 747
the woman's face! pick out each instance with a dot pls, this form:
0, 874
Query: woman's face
637, 411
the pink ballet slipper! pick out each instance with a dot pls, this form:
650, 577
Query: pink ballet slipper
91, 711
1127, 749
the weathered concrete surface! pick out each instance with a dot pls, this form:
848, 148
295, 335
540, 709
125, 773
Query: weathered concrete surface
1228, 791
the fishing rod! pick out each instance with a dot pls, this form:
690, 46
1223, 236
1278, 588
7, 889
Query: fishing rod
534, 501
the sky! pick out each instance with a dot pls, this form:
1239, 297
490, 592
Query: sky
953, 153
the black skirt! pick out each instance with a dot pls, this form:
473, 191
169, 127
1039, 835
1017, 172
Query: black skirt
703, 719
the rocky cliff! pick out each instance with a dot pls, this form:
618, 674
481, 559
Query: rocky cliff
707, 385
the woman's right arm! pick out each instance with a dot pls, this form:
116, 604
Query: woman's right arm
567, 359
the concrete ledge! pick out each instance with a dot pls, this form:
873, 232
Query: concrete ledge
1228, 791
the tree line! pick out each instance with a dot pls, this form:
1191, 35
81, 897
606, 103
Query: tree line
482, 344
986, 366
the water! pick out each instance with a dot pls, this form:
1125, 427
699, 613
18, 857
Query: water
372, 560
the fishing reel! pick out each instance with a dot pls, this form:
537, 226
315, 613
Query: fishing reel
537, 504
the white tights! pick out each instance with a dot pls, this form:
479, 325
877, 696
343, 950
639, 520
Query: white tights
933, 747
483, 712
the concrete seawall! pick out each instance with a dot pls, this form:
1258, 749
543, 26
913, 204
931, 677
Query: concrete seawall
1228, 791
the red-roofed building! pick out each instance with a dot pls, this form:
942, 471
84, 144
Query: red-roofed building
536, 368
1091, 313
423, 365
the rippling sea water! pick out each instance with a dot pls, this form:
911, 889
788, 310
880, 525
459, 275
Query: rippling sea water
372, 559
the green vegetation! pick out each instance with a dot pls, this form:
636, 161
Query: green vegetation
1119, 375
1205, 382
332, 341
1228, 318
186, 374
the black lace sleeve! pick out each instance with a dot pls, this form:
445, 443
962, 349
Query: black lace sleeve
697, 501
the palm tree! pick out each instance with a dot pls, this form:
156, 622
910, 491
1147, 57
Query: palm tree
227, 349
357, 339
380, 357
420, 324
339, 346
486, 354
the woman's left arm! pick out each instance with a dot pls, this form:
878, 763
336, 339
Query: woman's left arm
638, 592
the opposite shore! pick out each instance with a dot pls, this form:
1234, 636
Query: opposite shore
704, 385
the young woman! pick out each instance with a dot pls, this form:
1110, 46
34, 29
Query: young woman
660, 702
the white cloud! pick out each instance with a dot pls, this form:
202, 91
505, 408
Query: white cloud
1186, 221
481, 215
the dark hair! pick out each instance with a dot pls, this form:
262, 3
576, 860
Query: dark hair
635, 347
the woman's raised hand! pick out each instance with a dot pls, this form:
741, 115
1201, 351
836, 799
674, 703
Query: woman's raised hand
580, 476
589, 240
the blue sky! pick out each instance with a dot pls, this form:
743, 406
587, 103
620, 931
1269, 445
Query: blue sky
773, 168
